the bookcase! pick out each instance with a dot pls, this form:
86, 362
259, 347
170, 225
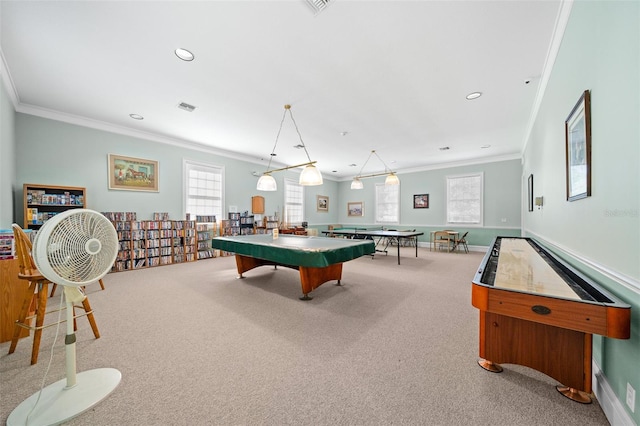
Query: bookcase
238, 224
41, 202
206, 230
149, 243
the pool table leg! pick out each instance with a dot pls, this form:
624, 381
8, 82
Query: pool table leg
245, 263
312, 278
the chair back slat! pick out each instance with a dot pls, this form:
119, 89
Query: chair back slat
23, 250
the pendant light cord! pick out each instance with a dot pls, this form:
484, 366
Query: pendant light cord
298, 131
273, 151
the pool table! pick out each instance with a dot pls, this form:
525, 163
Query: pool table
318, 259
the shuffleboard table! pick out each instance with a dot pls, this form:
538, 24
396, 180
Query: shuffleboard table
537, 311
318, 259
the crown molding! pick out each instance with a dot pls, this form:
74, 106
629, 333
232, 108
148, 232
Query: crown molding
8, 81
556, 40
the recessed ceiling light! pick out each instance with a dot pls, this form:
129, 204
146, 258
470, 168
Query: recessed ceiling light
136, 116
474, 95
184, 54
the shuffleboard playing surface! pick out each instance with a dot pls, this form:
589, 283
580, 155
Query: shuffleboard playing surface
521, 268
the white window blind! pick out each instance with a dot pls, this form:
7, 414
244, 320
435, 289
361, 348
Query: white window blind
464, 199
204, 185
293, 203
387, 203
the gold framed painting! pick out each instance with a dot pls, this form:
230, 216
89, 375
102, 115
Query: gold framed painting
132, 174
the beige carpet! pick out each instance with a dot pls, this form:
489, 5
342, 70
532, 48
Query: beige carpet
396, 344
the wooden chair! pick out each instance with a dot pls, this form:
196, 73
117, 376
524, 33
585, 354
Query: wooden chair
35, 297
442, 238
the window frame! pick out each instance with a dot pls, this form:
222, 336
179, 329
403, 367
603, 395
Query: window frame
448, 200
293, 183
188, 165
378, 202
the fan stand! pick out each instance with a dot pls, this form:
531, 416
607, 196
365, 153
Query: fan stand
66, 398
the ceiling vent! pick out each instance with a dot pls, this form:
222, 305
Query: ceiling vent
185, 106
318, 5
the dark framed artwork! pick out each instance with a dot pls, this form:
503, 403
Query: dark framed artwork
530, 197
421, 201
578, 149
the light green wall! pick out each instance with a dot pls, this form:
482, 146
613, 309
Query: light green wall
7, 158
57, 153
599, 235
502, 201
56, 144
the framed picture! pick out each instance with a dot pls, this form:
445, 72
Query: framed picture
322, 203
421, 201
132, 174
530, 197
355, 208
578, 149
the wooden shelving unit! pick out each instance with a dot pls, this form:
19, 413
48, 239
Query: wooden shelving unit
150, 243
41, 202
206, 229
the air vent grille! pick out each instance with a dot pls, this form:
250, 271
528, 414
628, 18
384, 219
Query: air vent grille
318, 5
185, 106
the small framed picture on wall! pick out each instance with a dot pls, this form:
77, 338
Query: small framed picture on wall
578, 149
322, 203
355, 208
421, 201
530, 197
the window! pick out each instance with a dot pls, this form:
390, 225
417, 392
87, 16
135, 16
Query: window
464, 199
293, 203
387, 203
204, 185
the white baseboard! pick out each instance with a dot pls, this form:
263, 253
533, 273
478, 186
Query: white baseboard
609, 402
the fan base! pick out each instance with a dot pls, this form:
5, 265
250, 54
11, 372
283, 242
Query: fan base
57, 404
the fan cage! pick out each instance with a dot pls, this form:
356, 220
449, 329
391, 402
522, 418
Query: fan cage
76, 247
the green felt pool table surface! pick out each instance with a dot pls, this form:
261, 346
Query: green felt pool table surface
318, 259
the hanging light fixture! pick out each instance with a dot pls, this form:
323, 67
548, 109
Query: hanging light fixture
391, 179
310, 175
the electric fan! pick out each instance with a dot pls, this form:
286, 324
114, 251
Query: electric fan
72, 249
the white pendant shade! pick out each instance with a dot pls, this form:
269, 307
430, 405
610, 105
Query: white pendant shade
356, 184
267, 183
392, 179
310, 176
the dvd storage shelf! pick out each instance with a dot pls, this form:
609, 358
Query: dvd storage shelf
238, 224
206, 229
41, 202
149, 243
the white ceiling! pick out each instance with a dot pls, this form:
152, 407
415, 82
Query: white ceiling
392, 74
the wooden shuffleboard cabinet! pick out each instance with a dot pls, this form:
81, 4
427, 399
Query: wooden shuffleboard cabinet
537, 311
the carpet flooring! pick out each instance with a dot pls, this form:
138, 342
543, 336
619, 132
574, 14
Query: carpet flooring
394, 345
